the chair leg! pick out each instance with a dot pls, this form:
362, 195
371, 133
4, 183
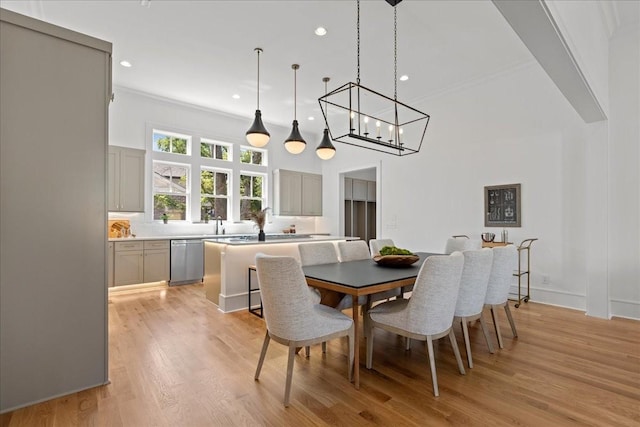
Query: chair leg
324, 346
494, 316
456, 351
432, 364
307, 351
352, 345
407, 344
485, 331
511, 322
369, 334
467, 342
265, 344
287, 387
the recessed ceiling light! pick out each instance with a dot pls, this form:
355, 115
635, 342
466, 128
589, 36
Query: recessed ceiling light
126, 64
235, 96
321, 31
311, 118
404, 78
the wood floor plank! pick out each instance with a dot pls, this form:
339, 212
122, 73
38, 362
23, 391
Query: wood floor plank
175, 360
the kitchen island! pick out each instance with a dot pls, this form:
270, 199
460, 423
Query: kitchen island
227, 259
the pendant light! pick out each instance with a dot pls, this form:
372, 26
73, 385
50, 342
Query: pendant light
295, 144
325, 150
257, 135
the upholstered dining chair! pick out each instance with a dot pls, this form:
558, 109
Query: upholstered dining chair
428, 314
462, 244
358, 250
353, 250
292, 318
473, 289
505, 261
324, 253
376, 244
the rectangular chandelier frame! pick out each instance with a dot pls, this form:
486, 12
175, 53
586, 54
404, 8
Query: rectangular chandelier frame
367, 119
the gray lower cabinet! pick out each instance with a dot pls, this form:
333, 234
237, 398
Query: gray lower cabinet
141, 262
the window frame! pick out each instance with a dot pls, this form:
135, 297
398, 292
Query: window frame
241, 197
228, 197
186, 194
254, 150
214, 142
188, 138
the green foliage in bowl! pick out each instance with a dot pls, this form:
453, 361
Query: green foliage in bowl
392, 250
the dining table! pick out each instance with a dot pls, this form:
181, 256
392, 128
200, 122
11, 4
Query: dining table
362, 277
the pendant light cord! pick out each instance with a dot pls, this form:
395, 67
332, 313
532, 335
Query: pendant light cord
358, 38
295, 91
395, 53
258, 80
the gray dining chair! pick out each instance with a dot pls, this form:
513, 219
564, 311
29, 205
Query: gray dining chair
325, 253
462, 243
292, 319
353, 250
428, 314
473, 289
376, 244
505, 261
356, 250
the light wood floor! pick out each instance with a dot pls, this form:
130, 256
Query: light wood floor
176, 361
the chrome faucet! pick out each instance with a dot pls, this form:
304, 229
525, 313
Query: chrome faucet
218, 220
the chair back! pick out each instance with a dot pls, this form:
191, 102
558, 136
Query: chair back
353, 250
435, 292
317, 253
462, 244
474, 281
284, 292
376, 244
505, 261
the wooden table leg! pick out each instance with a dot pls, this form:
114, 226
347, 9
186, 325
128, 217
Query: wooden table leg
356, 343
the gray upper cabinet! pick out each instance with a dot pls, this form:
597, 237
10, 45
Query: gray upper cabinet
126, 179
297, 193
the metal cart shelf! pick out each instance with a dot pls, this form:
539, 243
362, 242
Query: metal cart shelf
524, 250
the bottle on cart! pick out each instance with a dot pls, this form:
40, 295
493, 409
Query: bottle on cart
505, 235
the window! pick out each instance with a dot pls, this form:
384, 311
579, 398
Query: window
253, 156
170, 142
251, 193
170, 190
214, 189
215, 150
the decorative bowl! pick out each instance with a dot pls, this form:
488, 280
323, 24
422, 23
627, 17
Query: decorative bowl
488, 237
396, 260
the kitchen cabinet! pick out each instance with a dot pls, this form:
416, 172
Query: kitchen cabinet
126, 179
359, 190
360, 208
156, 260
297, 193
141, 262
128, 263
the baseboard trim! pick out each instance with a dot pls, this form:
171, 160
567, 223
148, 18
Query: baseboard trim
625, 308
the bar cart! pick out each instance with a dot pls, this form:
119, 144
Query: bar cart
524, 251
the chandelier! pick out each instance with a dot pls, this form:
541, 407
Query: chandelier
365, 118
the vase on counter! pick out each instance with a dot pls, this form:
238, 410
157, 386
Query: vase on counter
261, 236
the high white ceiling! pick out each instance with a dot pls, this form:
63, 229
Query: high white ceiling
202, 52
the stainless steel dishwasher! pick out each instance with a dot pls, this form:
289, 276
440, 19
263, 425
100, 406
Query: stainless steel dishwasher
187, 261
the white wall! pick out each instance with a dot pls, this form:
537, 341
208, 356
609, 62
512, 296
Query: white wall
516, 128
624, 178
133, 112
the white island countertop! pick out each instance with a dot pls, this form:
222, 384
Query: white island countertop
275, 239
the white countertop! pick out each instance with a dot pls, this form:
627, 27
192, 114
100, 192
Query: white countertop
277, 239
236, 239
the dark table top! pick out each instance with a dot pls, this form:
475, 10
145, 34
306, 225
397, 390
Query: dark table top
363, 273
